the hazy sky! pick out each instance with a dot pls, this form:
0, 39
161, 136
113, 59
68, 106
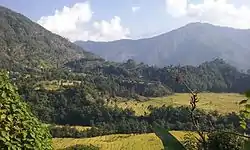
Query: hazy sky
107, 20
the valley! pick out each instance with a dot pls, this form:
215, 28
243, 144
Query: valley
56, 95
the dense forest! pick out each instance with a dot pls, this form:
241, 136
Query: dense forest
96, 83
213, 76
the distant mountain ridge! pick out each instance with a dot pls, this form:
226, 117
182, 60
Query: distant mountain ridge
192, 44
24, 43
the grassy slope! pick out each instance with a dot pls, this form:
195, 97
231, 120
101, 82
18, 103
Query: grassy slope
118, 141
222, 102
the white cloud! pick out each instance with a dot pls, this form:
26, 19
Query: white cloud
136, 8
108, 31
218, 12
176, 8
75, 23
67, 19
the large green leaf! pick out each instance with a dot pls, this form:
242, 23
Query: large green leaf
168, 140
20, 129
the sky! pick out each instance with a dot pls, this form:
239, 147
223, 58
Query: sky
109, 20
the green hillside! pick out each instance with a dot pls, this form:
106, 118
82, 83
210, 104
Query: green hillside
25, 44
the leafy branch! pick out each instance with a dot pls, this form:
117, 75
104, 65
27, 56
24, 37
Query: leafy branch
193, 102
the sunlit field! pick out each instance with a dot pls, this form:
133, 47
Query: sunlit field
118, 141
222, 102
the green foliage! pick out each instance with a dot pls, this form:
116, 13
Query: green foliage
19, 129
82, 147
168, 140
225, 141
245, 114
213, 76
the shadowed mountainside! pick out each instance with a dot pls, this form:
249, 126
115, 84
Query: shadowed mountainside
192, 44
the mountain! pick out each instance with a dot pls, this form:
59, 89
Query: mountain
192, 44
24, 43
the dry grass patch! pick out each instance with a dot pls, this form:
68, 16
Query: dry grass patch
118, 141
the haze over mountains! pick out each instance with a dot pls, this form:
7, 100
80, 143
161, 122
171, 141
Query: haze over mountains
24, 43
189, 45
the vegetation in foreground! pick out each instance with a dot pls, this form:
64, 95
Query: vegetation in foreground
19, 129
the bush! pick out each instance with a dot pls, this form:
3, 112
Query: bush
67, 132
82, 147
224, 141
19, 129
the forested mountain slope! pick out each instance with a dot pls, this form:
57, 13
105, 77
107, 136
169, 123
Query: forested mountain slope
24, 43
213, 76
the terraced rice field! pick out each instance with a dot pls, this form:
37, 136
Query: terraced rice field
118, 141
222, 102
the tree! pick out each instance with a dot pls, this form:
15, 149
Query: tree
225, 141
19, 129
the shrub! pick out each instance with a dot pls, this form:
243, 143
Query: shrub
82, 147
224, 141
19, 129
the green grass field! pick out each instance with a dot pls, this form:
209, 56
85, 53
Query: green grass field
222, 102
118, 141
